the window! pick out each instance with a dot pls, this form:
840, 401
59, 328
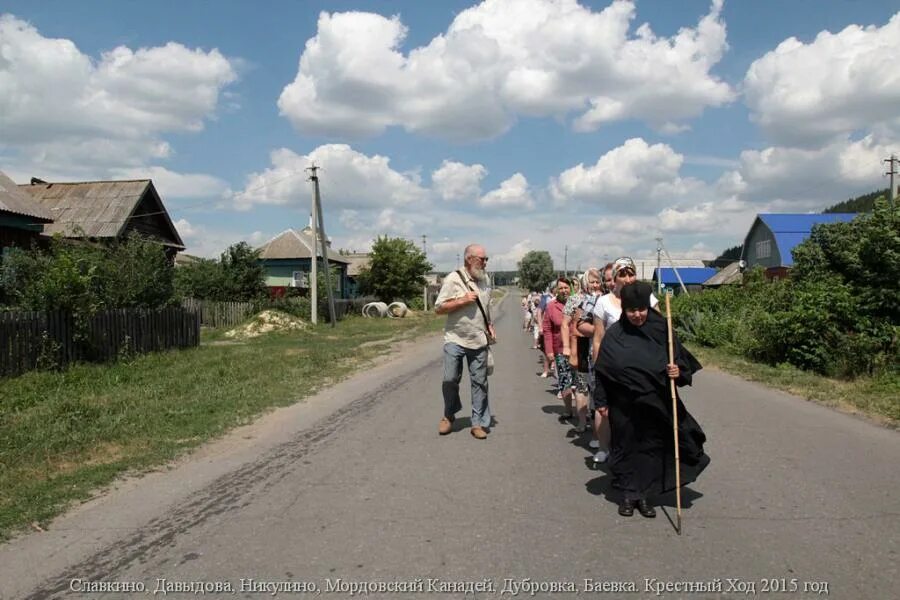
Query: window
300, 279
764, 249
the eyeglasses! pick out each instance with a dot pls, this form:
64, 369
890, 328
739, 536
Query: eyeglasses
625, 273
481, 258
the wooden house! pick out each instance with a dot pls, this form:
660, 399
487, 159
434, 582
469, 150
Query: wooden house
287, 260
105, 210
22, 220
773, 236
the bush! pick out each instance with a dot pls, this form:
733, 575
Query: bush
838, 314
84, 278
236, 276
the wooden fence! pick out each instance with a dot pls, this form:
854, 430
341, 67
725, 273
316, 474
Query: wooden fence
29, 340
220, 314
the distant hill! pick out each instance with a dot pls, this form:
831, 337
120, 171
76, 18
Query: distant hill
859, 204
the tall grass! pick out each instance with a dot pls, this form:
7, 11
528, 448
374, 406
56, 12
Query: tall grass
63, 434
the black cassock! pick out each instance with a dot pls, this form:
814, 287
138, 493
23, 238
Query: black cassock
631, 378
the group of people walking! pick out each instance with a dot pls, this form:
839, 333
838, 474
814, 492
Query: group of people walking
603, 339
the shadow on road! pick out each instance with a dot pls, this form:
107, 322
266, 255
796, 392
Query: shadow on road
602, 486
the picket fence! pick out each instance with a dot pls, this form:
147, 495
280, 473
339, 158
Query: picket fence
220, 314
50, 339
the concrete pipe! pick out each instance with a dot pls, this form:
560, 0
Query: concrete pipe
375, 309
397, 310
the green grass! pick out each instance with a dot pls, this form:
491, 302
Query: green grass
63, 435
875, 397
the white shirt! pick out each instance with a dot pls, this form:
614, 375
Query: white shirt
608, 312
465, 326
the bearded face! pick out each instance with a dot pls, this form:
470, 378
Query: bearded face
478, 274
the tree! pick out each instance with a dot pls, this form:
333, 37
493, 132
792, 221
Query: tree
536, 270
236, 276
245, 278
396, 270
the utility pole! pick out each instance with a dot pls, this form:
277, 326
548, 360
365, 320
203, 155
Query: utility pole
314, 260
425, 293
659, 248
659, 266
892, 170
319, 237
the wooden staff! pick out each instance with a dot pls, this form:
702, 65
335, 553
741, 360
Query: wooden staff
674, 418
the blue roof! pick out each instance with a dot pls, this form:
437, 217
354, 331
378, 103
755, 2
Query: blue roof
791, 229
800, 223
690, 275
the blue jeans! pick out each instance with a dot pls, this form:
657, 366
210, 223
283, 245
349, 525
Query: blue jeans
453, 364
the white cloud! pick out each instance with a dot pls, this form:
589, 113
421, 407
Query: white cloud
170, 184
455, 181
391, 222
347, 179
809, 179
631, 177
509, 259
623, 225
512, 193
703, 218
63, 111
805, 94
210, 242
501, 59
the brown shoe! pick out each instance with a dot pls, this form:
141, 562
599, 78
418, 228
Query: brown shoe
445, 426
479, 433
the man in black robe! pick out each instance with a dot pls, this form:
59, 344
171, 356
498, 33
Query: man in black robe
632, 376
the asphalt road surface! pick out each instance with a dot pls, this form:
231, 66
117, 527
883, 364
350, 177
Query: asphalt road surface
354, 491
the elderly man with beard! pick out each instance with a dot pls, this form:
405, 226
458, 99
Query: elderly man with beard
465, 299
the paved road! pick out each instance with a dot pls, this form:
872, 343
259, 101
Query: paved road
355, 486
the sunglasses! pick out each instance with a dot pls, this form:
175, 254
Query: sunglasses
481, 258
625, 273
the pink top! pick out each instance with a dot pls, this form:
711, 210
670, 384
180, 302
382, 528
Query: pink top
552, 326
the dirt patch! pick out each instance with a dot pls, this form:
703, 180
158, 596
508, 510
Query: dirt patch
267, 321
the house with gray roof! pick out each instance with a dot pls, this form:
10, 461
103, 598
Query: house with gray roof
21, 219
103, 211
287, 260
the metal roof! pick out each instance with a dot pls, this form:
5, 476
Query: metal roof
14, 200
97, 209
294, 244
730, 274
689, 275
790, 230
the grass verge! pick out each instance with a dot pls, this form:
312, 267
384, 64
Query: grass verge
63, 435
876, 397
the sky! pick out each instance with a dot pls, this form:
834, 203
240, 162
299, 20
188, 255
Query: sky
586, 129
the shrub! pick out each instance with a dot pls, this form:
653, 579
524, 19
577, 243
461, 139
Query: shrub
838, 314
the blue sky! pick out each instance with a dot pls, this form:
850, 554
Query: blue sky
520, 124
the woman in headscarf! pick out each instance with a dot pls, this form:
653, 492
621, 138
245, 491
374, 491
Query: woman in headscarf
632, 381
